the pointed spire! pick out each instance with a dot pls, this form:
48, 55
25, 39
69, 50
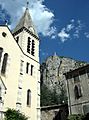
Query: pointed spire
25, 21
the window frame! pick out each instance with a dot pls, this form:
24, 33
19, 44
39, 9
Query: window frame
77, 91
27, 67
32, 69
1, 51
33, 48
4, 64
28, 45
17, 39
29, 98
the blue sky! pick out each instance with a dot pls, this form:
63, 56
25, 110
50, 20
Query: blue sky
63, 25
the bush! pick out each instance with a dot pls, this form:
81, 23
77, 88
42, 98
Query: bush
75, 117
12, 114
78, 117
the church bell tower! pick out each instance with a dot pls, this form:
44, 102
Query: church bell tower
28, 41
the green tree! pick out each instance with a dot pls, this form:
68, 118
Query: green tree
49, 97
75, 117
46, 96
63, 95
12, 114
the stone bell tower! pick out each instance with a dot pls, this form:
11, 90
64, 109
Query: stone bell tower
28, 41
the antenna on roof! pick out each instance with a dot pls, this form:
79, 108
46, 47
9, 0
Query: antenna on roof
27, 4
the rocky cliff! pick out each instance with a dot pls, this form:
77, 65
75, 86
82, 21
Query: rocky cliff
52, 72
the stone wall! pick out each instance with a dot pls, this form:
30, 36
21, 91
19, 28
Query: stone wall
78, 99
58, 112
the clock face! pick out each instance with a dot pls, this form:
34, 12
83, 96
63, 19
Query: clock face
31, 29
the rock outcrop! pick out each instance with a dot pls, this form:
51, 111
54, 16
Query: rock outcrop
52, 71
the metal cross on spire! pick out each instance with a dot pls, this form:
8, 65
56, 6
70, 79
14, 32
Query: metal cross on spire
27, 4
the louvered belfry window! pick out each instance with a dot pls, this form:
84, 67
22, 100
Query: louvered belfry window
33, 48
28, 45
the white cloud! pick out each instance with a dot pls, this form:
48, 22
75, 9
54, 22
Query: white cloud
72, 20
63, 35
43, 18
69, 27
72, 30
78, 29
86, 35
53, 36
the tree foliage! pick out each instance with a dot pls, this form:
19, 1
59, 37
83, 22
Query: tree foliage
46, 96
76, 117
63, 94
49, 97
12, 114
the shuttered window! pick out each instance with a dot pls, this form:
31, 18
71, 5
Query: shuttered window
33, 48
28, 45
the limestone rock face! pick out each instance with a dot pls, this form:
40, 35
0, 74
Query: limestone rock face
53, 68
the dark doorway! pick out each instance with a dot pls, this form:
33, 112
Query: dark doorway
58, 115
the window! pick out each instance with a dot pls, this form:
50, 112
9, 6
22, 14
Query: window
21, 66
32, 69
0, 93
1, 50
17, 39
18, 106
4, 64
4, 34
76, 79
33, 48
28, 97
77, 91
28, 45
27, 68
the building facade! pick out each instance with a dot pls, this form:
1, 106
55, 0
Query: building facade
20, 68
78, 90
